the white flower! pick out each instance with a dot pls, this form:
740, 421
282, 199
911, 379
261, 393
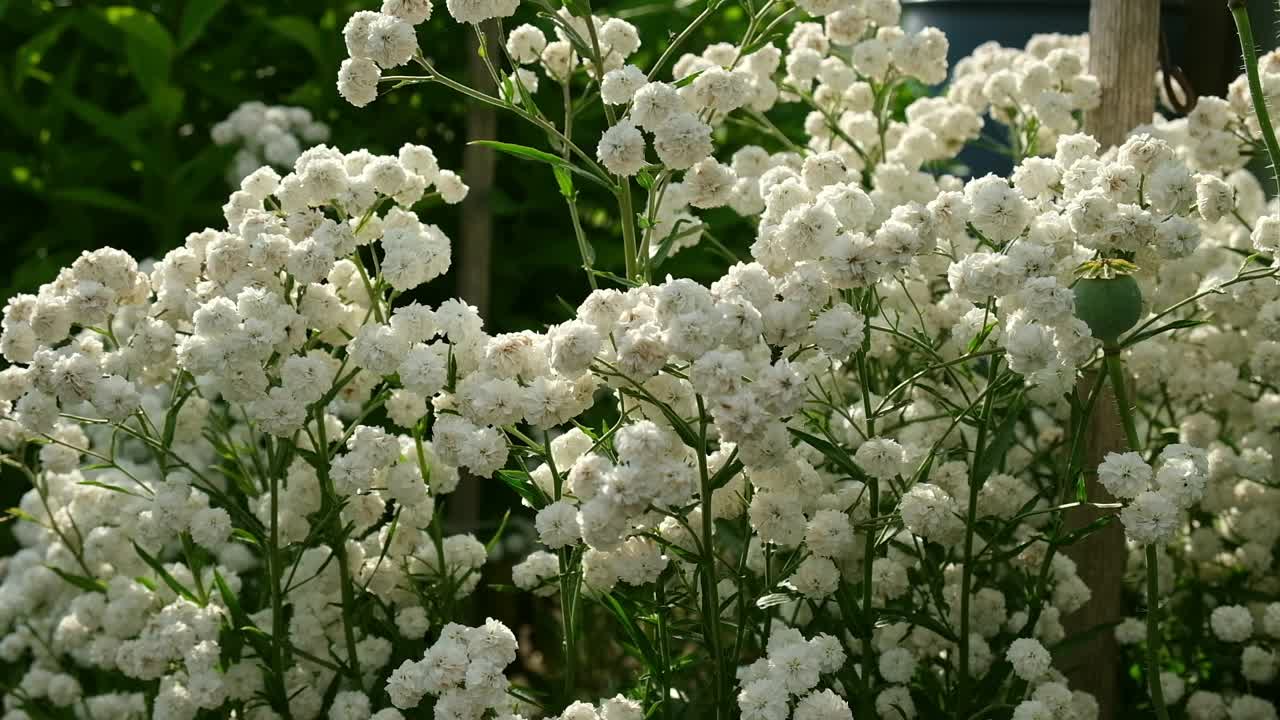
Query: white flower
621, 150
1151, 519
390, 42
557, 524
451, 188
928, 511
525, 44
654, 104
619, 86
1231, 623
897, 665
1029, 659
881, 458
682, 140
358, 81
1125, 475
477, 11
815, 578
822, 705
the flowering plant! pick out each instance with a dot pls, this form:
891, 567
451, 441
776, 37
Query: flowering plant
834, 481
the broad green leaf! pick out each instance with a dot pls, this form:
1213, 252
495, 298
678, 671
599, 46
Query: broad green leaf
106, 124
564, 180
147, 44
195, 17
524, 487
29, 54
99, 198
301, 31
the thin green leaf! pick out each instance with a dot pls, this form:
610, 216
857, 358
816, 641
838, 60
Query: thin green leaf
80, 581
687, 79
112, 488
229, 598
831, 452
163, 574
773, 599
999, 445
527, 153
636, 638
497, 534
1167, 327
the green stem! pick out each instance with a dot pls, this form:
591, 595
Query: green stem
1153, 632
873, 498
689, 29
1115, 368
585, 250
971, 519
375, 300
278, 629
568, 584
1241, 14
339, 548
710, 593
664, 646
629, 233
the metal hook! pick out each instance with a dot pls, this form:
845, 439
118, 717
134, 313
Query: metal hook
1177, 86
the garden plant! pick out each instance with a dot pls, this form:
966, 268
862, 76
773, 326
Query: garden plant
836, 482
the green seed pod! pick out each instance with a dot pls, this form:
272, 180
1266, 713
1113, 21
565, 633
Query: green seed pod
1108, 306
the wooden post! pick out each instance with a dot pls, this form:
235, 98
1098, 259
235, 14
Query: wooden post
1124, 47
475, 251
1124, 42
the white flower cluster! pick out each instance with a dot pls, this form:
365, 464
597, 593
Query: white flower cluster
378, 41
1158, 498
272, 135
785, 683
864, 426
1039, 92
614, 708
257, 334
463, 670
